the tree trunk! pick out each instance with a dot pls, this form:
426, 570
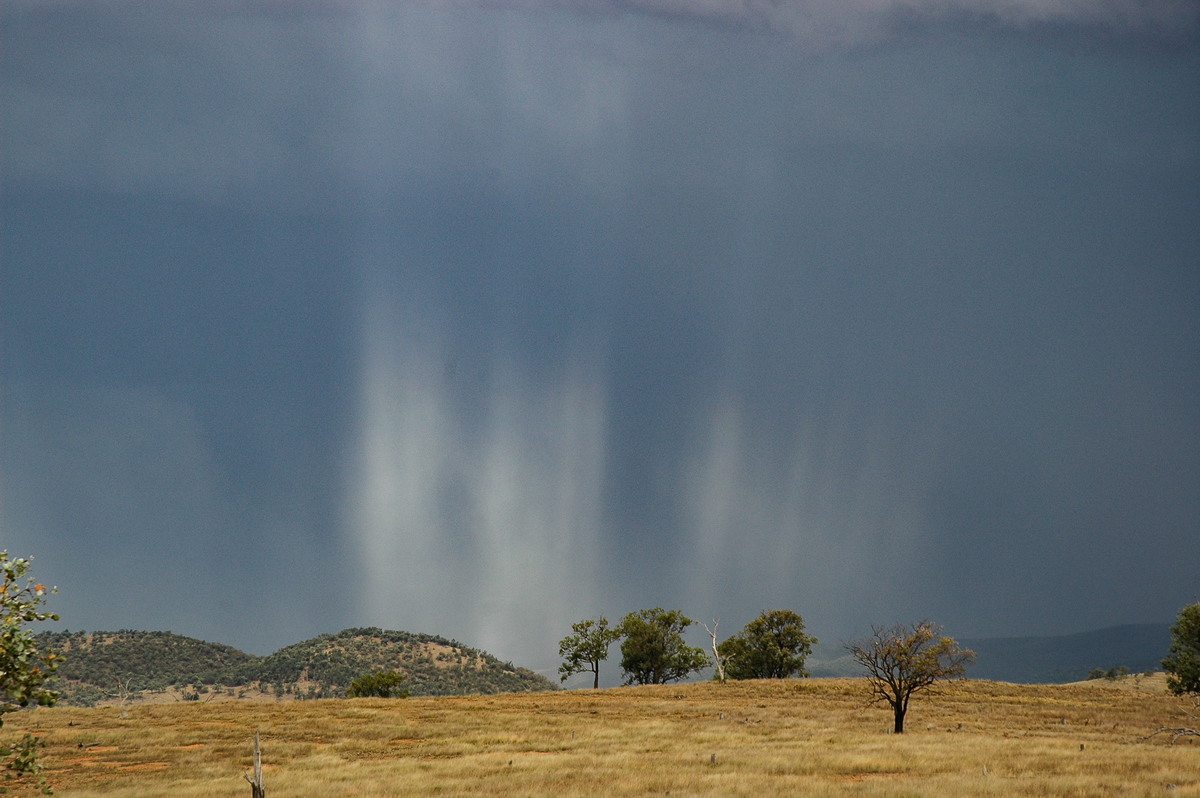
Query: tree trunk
718, 660
596, 681
256, 783
899, 728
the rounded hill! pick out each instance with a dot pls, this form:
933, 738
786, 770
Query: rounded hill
431, 665
130, 665
102, 665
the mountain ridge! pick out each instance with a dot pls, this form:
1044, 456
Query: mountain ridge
130, 665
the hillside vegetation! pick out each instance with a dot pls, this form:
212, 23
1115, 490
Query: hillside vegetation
130, 666
432, 665
811, 737
103, 665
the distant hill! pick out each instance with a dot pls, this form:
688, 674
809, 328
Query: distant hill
131, 665
432, 665
100, 665
1039, 660
1069, 658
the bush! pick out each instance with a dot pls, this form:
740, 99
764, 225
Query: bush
378, 685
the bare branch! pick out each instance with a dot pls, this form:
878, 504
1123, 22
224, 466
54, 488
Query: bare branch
902, 660
718, 660
1178, 731
1175, 731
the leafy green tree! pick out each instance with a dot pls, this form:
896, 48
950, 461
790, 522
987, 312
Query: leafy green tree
772, 646
586, 648
24, 669
902, 660
378, 685
1182, 663
652, 649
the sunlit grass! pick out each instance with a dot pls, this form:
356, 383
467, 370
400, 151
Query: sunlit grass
795, 737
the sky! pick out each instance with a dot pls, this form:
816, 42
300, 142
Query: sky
481, 318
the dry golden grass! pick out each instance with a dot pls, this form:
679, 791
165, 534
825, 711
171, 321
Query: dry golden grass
764, 738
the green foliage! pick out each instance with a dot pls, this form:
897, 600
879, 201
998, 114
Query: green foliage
772, 646
335, 660
1182, 663
25, 669
123, 664
105, 665
652, 649
586, 648
902, 660
1112, 674
378, 685
22, 768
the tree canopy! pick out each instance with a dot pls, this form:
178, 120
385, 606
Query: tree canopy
1182, 662
584, 649
653, 650
902, 660
772, 646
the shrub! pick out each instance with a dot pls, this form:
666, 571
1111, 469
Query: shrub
378, 685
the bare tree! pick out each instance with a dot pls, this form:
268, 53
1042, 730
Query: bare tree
257, 790
902, 660
718, 659
124, 691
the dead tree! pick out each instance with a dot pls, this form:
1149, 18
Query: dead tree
718, 660
124, 691
256, 784
1180, 731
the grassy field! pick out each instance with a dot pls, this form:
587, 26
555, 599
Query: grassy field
764, 738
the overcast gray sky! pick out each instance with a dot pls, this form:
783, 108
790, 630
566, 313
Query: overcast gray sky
480, 318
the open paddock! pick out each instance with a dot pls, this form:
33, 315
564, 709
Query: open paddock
809, 737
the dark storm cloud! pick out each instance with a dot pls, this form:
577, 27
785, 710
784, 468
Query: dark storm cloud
181, 100
494, 318
292, 108
824, 25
